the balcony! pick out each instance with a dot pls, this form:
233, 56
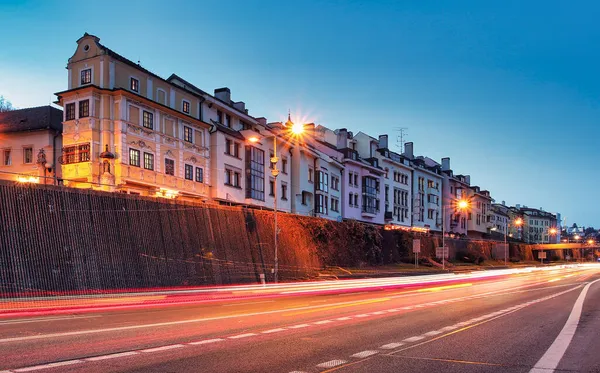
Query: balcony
388, 216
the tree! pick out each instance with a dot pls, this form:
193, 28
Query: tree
589, 231
5, 105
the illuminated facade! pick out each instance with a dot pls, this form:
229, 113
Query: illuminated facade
30, 145
129, 130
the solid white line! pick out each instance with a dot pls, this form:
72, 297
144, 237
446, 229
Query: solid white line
46, 366
111, 356
162, 348
365, 353
331, 363
242, 336
414, 339
273, 331
391, 346
206, 341
556, 351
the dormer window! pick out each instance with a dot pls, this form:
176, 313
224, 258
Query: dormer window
134, 85
185, 107
86, 76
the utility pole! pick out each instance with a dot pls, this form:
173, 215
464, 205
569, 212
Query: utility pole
400, 138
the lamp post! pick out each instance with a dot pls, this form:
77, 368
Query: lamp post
296, 129
518, 222
458, 205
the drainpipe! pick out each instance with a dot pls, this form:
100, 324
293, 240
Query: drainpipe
54, 157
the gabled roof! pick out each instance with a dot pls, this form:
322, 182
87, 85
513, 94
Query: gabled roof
31, 119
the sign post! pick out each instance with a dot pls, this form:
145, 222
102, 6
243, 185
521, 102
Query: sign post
416, 250
542, 256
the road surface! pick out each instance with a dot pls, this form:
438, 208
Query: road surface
506, 321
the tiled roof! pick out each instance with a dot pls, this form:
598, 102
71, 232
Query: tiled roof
31, 119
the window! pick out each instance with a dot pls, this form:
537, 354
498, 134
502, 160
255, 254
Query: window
169, 167
28, 155
255, 166
232, 178
185, 106
271, 164
271, 188
76, 153
304, 198
199, 174
220, 116
310, 174
284, 165
355, 179
187, 134
134, 157
284, 192
370, 191
149, 161
351, 199
350, 178
134, 84
227, 120
70, 111
232, 148
189, 172
335, 183
7, 157
355, 200
430, 214
321, 206
148, 120
335, 205
421, 184
322, 181
86, 76
84, 109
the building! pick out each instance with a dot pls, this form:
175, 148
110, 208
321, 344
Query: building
539, 226
479, 214
128, 130
427, 193
454, 188
499, 218
241, 152
30, 145
397, 178
362, 186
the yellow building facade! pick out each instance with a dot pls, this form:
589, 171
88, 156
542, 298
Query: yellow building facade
128, 130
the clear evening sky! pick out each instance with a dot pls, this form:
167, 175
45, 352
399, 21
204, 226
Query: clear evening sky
510, 92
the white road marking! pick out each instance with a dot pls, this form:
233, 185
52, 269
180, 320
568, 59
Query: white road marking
378, 313
42, 319
408, 308
298, 326
273, 331
344, 318
47, 366
162, 348
206, 341
391, 346
556, 351
365, 353
393, 310
111, 356
448, 328
245, 335
322, 322
432, 333
414, 339
362, 315
331, 363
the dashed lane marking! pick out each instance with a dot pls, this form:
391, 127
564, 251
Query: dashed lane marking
432, 333
391, 346
331, 363
363, 354
322, 322
273, 331
414, 339
298, 326
162, 348
206, 341
46, 366
111, 356
246, 335
344, 318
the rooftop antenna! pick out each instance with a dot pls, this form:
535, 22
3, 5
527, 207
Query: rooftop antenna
400, 138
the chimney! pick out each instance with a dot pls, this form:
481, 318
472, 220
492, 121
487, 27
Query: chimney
446, 164
503, 203
309, 129
518, 206
223, 94
408, 150
383, 141
262, 120
342, 138
241, 106
468, 179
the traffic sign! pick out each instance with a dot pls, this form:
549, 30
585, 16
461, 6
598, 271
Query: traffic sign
441, 252
542, 255
416, 246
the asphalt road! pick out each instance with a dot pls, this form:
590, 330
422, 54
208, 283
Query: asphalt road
536, 321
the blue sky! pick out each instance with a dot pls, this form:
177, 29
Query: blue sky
510, 92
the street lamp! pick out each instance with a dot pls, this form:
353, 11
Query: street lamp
458, 205
296, 130
517, 223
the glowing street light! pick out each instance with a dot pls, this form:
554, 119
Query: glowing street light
517, 223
